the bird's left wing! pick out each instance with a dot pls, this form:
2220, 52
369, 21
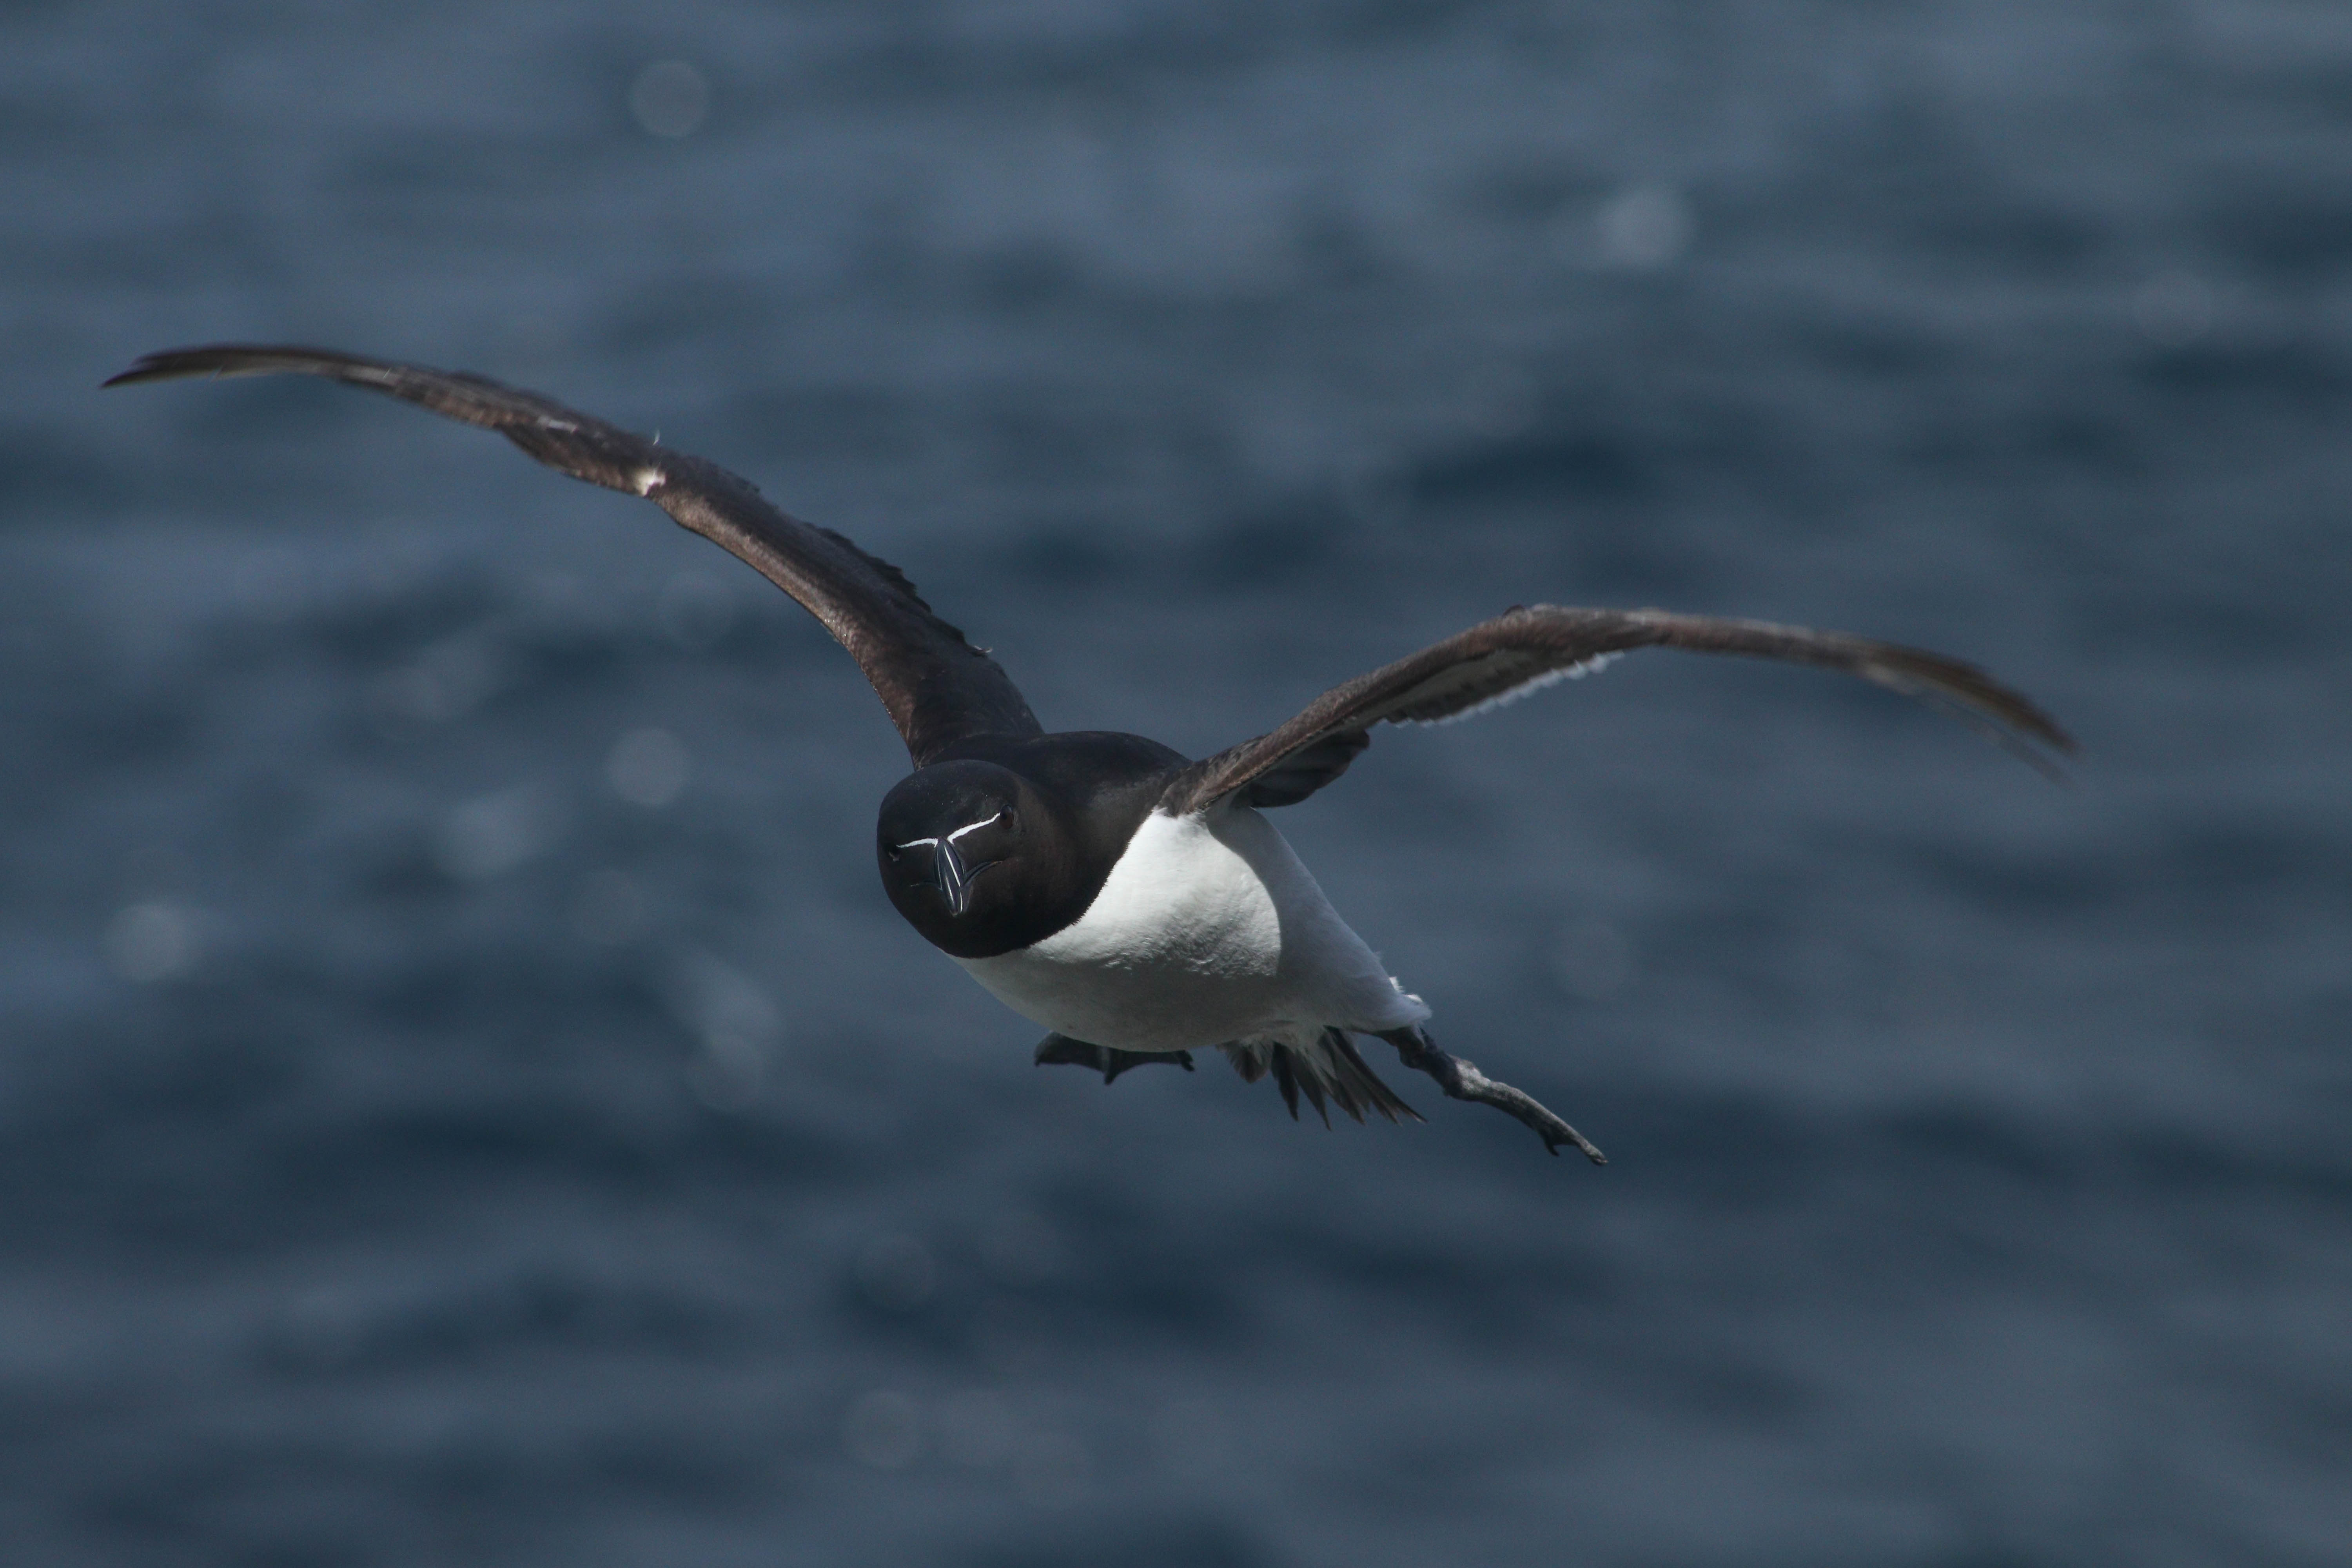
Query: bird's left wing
1522, 649
938, 689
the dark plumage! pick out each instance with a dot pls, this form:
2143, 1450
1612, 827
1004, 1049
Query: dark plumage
939, 689
1101, 882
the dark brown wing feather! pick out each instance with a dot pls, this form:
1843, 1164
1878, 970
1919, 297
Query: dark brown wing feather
1498, 660
939, 689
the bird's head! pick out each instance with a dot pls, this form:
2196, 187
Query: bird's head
966, 850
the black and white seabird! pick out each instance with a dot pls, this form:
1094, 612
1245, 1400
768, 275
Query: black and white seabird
1130, 899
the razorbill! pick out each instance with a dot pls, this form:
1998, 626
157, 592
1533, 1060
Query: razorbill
1131, 900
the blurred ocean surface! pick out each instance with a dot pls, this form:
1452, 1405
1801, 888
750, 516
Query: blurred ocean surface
466, 1099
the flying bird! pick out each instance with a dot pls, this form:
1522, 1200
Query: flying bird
1131, 900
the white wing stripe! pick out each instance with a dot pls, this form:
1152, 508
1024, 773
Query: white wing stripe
1510, 694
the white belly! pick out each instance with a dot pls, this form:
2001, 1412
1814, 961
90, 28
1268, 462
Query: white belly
1208, 929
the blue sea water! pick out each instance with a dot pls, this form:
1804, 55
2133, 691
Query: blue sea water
466, 1101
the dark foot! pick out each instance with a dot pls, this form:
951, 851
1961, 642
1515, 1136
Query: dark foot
1055, 1050
1461, 1081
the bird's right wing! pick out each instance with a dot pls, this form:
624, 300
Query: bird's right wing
939, 689
1522, 649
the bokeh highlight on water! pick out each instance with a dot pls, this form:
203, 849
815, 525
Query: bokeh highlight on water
467, 1100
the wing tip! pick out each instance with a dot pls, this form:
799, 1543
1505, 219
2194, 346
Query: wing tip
232, 359
150, 367
173, 365
2048, 731
2019, 723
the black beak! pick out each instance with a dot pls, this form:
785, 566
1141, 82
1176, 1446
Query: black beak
952, 878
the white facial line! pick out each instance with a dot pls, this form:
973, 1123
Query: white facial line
959, 833
974, 826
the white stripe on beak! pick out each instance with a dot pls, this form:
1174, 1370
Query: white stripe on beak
949, 874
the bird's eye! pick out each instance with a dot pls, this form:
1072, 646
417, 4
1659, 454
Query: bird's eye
891, 852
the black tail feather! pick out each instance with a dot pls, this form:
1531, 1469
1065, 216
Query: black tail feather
1358, 1088
1286, 1077
1328, 1074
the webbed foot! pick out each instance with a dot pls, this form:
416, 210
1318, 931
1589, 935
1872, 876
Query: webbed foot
1461, 1081
1055, 1050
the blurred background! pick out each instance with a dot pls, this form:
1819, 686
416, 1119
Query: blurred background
466, 1101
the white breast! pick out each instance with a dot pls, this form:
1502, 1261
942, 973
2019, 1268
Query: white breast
1208, 929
